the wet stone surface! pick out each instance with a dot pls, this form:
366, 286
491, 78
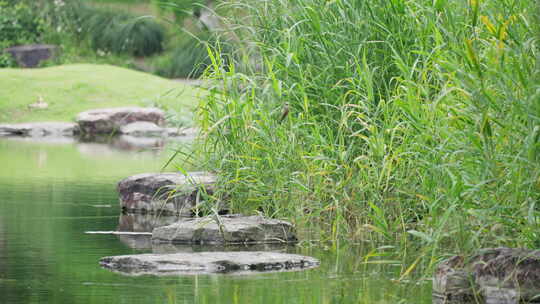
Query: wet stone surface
165, 193
110, 121
239, 262
226, 229
39, 129
496, 275
143, 128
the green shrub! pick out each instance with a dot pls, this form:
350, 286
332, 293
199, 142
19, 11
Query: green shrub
18, 25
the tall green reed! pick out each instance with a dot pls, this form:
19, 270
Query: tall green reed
413, 123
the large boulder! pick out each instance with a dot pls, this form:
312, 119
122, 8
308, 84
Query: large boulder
31, 55
107, 121
165, 193
226, 229
39, 129
498, 275
207, 262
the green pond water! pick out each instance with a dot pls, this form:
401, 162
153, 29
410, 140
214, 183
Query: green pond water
51, 193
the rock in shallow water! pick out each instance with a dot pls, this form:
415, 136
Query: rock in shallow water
39, 129
498, 275
107, 121
165, 193
143, 129
207, 262
226, 229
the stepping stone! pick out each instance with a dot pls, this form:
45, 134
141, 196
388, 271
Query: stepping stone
165, 193
239, 262
226, 229
499, 275
107, 121
143, 129
39, 129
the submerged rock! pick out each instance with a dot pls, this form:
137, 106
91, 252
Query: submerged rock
107, 121
207, 262
39, 129
165, 193
226, 229
498, 275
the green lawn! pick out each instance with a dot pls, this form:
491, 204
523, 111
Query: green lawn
70, 89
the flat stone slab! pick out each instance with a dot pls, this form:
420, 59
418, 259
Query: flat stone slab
107, 121
39, 129
226, 229
165, 193
143, 128
240, 262
498, 275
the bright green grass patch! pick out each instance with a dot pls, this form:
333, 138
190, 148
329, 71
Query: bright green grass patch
71, 89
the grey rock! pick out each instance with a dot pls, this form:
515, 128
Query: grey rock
108, 121
29, 56
498, 275
207, 262
166, 248
226, 229
39, 129
143, 129
176, 132
165, 193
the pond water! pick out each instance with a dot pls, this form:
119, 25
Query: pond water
51, 193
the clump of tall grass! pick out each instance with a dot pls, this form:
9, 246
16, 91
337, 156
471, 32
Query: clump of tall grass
188, 57
108, 30
409, 122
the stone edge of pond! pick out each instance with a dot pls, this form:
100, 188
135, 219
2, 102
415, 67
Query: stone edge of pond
133, 121
235, 262
495, 274
152, 192
226, 229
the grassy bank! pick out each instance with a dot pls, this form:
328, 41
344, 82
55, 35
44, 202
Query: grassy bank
70, 89
413, 124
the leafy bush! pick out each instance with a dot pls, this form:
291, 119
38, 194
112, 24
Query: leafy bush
18, 25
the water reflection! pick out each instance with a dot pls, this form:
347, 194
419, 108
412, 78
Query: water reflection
45, 257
